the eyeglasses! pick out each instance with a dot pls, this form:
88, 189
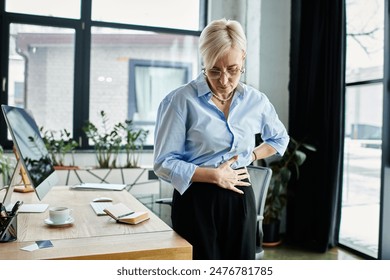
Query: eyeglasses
215, 74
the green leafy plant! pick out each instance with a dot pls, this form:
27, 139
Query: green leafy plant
134, 140
109, 141
6, 166
106, 140
282, 170
59, 144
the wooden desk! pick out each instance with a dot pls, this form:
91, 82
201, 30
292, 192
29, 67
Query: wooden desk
92, 236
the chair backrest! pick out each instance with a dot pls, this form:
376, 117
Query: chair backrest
260, 178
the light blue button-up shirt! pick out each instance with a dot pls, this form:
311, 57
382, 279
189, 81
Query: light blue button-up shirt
192, 131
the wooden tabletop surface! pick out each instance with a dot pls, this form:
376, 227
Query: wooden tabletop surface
91, 236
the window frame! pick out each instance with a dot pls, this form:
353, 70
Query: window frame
82, 57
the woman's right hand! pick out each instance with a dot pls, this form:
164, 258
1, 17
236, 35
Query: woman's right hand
228, 178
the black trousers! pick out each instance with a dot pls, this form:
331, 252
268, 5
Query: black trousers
220, 224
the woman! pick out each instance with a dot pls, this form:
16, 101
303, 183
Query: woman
204, 139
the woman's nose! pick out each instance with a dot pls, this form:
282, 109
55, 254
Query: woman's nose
224, 78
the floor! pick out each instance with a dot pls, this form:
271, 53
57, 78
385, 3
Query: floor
286, 252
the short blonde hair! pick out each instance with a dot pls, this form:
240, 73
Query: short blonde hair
218, 37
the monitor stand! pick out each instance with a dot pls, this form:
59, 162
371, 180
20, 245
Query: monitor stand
26, 186
24, 208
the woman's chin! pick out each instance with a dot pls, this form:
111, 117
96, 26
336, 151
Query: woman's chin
226, 90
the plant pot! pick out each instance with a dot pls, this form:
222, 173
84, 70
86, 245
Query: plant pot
64, 167
271, 233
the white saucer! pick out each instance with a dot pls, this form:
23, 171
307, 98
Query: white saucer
67, 222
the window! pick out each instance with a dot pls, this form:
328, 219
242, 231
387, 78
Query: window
54, 8
124, 63
176, 14
68, 60
149, 82
41, 66
363, 126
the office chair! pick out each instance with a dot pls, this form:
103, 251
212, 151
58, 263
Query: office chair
260, 178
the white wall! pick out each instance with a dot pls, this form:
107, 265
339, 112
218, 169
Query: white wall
275, 53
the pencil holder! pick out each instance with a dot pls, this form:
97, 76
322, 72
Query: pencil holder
8, 228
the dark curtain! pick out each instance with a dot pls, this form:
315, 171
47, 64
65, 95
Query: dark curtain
316, 117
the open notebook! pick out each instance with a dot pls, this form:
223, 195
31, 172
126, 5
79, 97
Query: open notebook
123, 214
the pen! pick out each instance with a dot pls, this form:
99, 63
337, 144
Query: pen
16, 207
3, 212
124, 215
12, 231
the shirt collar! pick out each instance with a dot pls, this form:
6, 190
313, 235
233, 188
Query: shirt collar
203, 87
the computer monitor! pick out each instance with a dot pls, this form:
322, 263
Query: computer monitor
33, 157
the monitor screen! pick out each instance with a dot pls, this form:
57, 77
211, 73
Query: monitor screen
32, 151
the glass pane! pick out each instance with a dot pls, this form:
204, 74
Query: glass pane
365, 21
53, 8
132, 71
41, 73
150, 81
362, 169
176, 14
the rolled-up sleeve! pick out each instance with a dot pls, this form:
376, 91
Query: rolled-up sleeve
273, 131
169, 148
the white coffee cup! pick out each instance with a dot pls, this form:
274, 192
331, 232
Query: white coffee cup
59, 215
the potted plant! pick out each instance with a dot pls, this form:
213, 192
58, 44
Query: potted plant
59, 144
106, 140
109, 141
282, 170
6, 166
133, 141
